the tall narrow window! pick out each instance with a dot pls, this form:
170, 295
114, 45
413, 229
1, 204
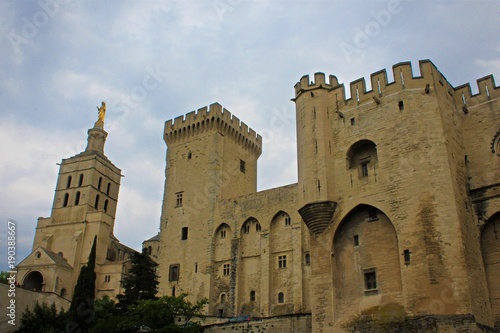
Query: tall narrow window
282, 262
68, 183
99, 183
406, 255
223, 233
66, 199
252, 296
109, 187
226, 269
223, 298
364, 169
242, 166
308, 259
258, 227
80, 180
77, 198
401, 105
246, 228
356, 240
178, 200
196, 267
370, 280
184, 234
96, 204
287, 220
105, 205
173, 274
281, 298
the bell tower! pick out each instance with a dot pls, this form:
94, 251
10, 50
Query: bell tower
84, 206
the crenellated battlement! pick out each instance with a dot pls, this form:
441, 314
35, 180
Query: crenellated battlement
319, 82
214, 117
404, 79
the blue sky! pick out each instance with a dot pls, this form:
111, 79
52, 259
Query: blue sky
154, 60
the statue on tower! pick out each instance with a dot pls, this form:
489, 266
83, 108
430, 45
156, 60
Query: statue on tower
101, 112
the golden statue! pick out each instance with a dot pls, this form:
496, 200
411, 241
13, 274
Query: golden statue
101, 112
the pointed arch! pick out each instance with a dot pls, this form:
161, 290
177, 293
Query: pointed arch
366, 260
490, 250
222, 242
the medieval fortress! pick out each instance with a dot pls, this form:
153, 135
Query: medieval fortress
396, 207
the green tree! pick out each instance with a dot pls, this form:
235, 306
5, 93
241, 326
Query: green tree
81, 311
161, 314
106, 317
141, 283
43, 319
3, 277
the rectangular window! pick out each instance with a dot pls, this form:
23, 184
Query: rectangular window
223, 234
226, 269
353, 121
370, 280
287, 220
406, 254
178, 201
242, 166
173, 273
246, 228
356, 240
184, 234
282, 262
364, 169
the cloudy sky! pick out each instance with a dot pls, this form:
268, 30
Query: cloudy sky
154, 60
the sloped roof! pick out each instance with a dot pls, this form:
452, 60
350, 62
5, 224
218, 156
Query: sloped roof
154, 238
57, 259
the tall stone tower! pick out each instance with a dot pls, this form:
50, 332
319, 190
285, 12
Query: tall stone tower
385, 193
84, 206
211, 156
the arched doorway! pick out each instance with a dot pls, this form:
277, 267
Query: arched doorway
490, 249
33, 281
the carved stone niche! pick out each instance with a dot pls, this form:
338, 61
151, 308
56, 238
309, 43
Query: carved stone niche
317, 215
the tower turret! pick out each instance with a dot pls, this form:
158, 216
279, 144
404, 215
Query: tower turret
314, 145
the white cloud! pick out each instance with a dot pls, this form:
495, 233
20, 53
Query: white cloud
247, 59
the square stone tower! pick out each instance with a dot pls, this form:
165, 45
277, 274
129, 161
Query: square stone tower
211, 156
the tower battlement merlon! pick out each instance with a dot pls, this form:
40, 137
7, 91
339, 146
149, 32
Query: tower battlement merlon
380, 84
487, 90
214, 117
319, 82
